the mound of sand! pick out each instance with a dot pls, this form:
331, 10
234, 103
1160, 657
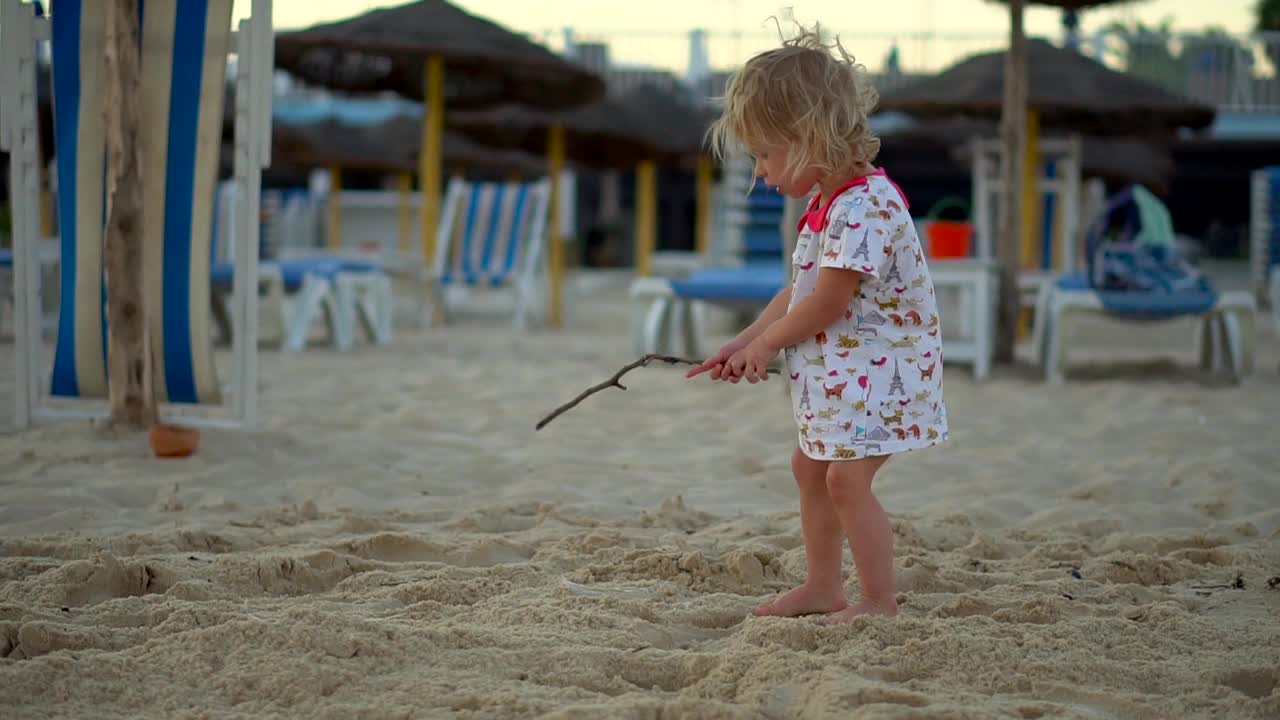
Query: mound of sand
397, 542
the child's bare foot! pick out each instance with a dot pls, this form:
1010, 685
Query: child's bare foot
804, 600
888, 608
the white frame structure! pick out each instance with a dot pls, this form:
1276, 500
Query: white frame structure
988, 186
253, 44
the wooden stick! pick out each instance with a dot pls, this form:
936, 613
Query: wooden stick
615, 381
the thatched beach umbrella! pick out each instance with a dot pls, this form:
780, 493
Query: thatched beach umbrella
433, 51
641, 128
388, 48
1113, 159
675, 123
1064, 89
601, 135
390, 147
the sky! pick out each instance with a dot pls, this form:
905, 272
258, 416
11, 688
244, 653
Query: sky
930, 34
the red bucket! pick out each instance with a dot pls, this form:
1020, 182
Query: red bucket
949, 238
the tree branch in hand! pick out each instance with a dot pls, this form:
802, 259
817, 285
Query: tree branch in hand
615, 381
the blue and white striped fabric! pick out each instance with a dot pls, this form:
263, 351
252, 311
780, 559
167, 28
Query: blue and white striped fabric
183, 66
492, 236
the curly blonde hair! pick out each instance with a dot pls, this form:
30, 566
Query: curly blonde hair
810, 95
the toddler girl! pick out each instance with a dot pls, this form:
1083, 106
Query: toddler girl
858, 326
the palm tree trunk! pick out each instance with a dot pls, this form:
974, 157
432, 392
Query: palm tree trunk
130, 380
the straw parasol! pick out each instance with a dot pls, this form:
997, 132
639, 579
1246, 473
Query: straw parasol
1064, 88
642, 127
619, 130
389, 147
676, 125
1113, 159
484, 63
602, 135
435, 52
386, 147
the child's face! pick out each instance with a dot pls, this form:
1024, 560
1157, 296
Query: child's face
771, 164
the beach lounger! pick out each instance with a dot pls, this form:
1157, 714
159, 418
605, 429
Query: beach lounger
491, 235
669, 303
296, 291
184, 50
1134, 274
663, 307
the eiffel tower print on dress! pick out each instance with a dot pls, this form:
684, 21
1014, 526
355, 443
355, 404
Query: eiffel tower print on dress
893, 275
863, 250
895, 386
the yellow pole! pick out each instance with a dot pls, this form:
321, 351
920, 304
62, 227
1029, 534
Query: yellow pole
555, 249
404, 181
702, 217
646, 208
335, 208
1032, 205
1031, 197
431, 155
46, 214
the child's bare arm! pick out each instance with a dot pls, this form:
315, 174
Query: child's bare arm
776, 308
835, 288
830, 299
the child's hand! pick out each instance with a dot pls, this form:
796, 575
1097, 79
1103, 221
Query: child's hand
715, 363
751, 362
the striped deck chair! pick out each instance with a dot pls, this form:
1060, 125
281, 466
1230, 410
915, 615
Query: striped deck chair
490, 235
184, 50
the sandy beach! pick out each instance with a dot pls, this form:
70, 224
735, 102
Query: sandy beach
396, 541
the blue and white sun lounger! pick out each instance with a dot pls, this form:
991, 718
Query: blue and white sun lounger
184, 50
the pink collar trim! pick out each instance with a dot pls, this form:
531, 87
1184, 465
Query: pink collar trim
816, 218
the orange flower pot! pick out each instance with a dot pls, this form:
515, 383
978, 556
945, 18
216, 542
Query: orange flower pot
173, 441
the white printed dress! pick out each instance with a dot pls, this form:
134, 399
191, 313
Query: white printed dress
871, 384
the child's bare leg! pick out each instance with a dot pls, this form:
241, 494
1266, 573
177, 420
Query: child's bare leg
870, 535
823, 588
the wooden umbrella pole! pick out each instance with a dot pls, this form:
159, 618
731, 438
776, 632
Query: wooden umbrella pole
130, 378
1013, 131
555, 243
431, 155
702, 207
